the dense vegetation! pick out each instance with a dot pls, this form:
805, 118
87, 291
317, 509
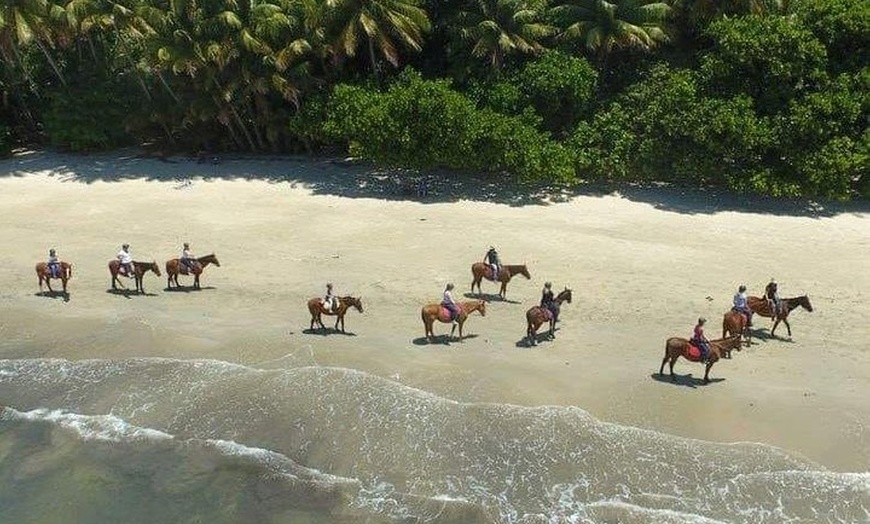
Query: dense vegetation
755, 95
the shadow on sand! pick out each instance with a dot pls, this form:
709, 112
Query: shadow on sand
540, 336
684, 380
353, 179
445, 340
327, 331
53, 294
187, 289
129, 293
490, 297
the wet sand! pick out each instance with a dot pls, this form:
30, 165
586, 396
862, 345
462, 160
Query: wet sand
643, 264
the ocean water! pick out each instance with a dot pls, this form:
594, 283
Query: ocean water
188, 441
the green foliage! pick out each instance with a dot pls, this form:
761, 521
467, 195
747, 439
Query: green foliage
88, 117
560, 88
5, 141
832, 170
426, 124
771, 59
843, 26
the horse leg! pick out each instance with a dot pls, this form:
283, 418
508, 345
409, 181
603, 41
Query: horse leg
48, 283
787, 326
673, 361
775, 323
40, 283
707, 372
196, 281
63, 281
503, 291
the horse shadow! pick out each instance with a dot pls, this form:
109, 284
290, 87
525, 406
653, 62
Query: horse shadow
187, 289
328, 331
684, 380
129, 293
540, 336
53, 294
444, 340
490, 297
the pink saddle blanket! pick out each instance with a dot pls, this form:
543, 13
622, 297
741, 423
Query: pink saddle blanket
694, 353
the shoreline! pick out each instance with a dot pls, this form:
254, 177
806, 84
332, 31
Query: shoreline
640, 270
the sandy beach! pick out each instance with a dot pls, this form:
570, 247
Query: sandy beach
643, 264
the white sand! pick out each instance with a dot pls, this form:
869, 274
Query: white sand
640, 273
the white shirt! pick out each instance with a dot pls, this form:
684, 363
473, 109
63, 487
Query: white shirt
186, 254
448, 297
740, 300
125, 257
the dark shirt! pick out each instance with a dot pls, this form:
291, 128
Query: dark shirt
770, 291
547, 299
492, 256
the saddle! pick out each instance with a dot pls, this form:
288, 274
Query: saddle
694, 353
490, 274
184, 268
743, 313
445, 311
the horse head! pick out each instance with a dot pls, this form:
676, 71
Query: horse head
481, 306
154, 267
354, 302
565, 295
524, 271
804, 302
210, 259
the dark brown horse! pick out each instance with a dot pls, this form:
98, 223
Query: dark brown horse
139, 270
432, 312
537, 315
761, 307
736, 323
43, 273
174, 267
676, 347
479, 270
315, 307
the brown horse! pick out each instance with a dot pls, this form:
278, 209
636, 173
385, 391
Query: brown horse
174, 267
675, 347
315, 307
761, 307
479, 270
432, 312
736, 323
43, 273
537, 315
139, 270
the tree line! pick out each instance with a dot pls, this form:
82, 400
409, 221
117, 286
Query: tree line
766, 96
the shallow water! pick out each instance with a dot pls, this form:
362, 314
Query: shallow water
164, 440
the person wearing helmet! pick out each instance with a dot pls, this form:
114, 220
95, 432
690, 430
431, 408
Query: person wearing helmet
700, 340
53, 263
329, 300
741, 305
126, 261
771, 293
492, 259
448, 302
547, 299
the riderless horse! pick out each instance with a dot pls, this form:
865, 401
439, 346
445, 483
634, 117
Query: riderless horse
479, 270
676, 347
432, 312
537, 315
139, 270
736, 323
761, 307
174, 267
44, 273
317, 309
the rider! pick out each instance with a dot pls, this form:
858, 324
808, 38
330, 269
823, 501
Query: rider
741, 305
700, 340
329, 300
547, 299
771, 293
126, 260
492, 258
53, 263
449, 303
187, 259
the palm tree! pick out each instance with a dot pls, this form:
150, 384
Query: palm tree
383, 23
23, 22
503, 27
602, 26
